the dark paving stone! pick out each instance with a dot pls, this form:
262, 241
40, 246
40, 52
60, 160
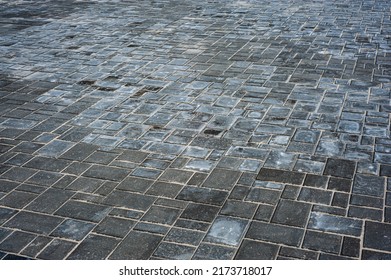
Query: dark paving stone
263, 196
340, 200
298, 253
57, 250
340, 168
79, 152
83, 211
164, 189
281, 176
134, 184
17, 199
316, 181
369, 185
373, 255
340, 184
367, 201
94, 247
213, 252
16, 241
161, 215
174, 251
83, 184
377, 236
351, 247
365, 213
253, 250
239, 192
275, 233
329, 257
192, 225
36, 246
239, 209
291, 213
6, 214
12, 257
184, 236
322, 241
290, 192
32, 222
203, 195
226, 230
50, 201
176, 176
18, 174
129, 200
114, 226
44, 178
315, 196
106, 173
328, 223
200, 212
152, 228
136, 246
222, 179
264, 212
73, 229
7, 186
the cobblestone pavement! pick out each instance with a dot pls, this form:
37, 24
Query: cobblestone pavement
185, 129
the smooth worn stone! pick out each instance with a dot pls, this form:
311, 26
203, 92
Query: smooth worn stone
369, 185
226, 230
335, 224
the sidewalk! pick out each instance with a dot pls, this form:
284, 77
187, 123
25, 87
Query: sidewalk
195, 129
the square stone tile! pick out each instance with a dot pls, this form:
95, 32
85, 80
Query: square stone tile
292, 213
340, 168
161, 215
213, 252
227, 230
377, 236
222, 179
73, 229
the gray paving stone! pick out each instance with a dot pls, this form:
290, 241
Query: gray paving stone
57, 250
253, 250
83, 211
32, 222
129, 200
213, 252
328, 223
136, 246
275, 233
322, 242
291, 213
94, 247
369, 185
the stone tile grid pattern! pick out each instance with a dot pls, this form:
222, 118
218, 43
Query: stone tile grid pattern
212, 130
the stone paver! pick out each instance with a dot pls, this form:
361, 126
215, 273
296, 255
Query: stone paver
195, 129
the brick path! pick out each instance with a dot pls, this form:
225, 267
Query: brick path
195, 129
